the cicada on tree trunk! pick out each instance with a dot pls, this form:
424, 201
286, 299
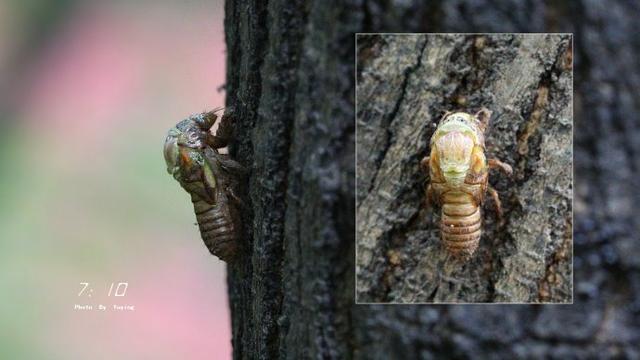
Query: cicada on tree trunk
458, 172
210, 177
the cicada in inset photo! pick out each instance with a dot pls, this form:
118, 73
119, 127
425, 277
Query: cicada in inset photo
210, 177
458, 172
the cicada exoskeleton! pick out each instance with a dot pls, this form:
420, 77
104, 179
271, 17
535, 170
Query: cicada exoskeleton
192, 155
459, 176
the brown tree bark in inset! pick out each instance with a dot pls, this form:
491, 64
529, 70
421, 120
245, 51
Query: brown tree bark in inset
405, 85
290, 79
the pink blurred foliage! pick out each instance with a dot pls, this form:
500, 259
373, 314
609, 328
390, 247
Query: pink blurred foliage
115, 65
191, 306
110, 62
180, 313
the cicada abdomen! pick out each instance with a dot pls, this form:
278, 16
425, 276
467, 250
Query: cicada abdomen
458, 173
461, 224
211, 178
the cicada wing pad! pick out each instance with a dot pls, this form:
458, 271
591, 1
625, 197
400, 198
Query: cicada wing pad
226, 172
220, 222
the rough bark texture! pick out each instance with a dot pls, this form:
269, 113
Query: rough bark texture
290, 84
405, 84
290, 77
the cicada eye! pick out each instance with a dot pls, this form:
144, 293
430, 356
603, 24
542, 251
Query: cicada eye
171, 153
193, 138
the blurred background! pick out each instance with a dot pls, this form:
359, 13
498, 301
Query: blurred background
88, 91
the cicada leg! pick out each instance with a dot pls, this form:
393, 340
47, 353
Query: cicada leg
497, 164
223, 134
424, 164
429, 197
483, 117
497, 204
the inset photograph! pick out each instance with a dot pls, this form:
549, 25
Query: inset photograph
464, 168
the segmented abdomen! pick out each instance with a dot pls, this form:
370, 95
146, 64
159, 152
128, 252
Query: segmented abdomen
461, 224
216, 229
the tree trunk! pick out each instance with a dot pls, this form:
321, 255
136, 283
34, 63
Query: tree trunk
291, 81
291, 293
405, 84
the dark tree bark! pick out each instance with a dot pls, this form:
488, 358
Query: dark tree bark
291, 292
290, 80
405, 84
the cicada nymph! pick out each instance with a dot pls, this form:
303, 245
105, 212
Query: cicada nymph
458, 172
210, 177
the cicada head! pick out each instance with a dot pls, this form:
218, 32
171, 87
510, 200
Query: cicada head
454, 154
185, 146
183, 149
454, 140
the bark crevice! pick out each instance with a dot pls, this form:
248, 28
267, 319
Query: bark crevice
388, 123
